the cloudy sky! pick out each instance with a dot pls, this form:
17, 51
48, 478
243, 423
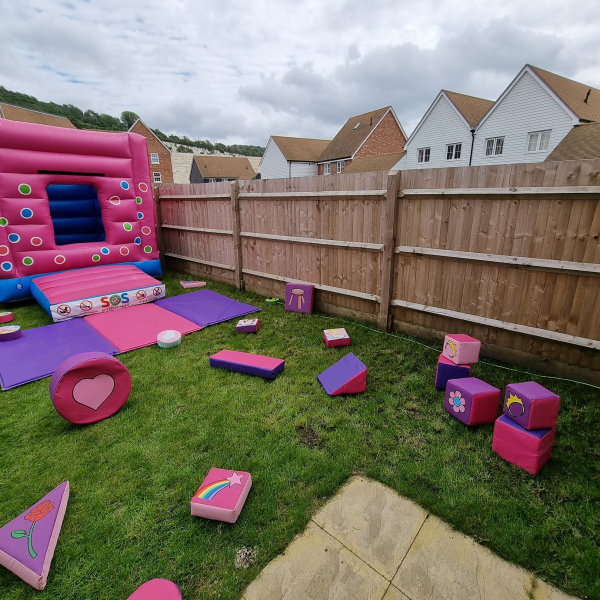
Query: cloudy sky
239, 71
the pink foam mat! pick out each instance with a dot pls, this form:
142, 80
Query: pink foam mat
138, 326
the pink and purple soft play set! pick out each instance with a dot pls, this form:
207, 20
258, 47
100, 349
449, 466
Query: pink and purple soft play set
72, 199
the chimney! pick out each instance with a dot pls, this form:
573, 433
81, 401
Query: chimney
588, 95
371, 123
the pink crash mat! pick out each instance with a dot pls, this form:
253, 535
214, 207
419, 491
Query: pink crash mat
90, 387
27, 543
138, 326
157, 589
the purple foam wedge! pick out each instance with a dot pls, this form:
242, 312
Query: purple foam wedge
346, 376
244, 362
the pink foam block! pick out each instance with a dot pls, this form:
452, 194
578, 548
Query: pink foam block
192, 284
222, 495
157, 589
461, 349
530, 450
472, 400
247, 325
299, 297
531, 405
28, 542
90, 387
336, 337
245, 362
447, 370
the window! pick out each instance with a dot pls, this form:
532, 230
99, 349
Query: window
154, 158
356, 126
538, 141
494, 146
157, 177
340, 166
453, 151
327, 169
423, 155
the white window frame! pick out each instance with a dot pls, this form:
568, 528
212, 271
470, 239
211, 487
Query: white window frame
327, 169
154, 160
423, 155
542, 140
156, 177
496, 141
452, 148
340, 166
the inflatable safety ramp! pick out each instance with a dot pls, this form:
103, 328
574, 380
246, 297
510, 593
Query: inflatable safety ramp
83, 292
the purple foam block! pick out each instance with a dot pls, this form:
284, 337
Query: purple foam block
244, 362
299, 297
447, 370
531, 405
472, 400
346, 376
247, 326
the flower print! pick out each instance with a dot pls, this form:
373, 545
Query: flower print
34, 515
457, 402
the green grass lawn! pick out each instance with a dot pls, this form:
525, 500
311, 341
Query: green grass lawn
133, 475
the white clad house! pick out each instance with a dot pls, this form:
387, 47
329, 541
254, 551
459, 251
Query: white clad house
444, 136
291, 157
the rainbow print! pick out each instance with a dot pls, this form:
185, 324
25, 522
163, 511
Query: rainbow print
210, 490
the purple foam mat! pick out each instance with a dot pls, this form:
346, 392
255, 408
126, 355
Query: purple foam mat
40, 351
206, 307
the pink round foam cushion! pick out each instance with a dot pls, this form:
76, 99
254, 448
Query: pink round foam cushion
10, 332
157, 589
6, 317
90, 387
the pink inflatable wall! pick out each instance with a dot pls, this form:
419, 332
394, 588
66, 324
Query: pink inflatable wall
32, 157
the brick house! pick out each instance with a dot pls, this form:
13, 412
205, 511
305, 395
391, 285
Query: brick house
159, 155
363, 136
210, 169
25, 115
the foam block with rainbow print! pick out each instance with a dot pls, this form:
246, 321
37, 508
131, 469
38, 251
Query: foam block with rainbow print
244, 362
336, 337
530, 450
157, 589
346, 376
531, 405
222, 495
447, 370
28, 542
461, 349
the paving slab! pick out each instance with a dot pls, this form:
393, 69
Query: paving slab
374, 522
317, 567
394, 594
443, 564
543, 591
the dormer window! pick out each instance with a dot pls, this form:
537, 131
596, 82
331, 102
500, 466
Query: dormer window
356, 126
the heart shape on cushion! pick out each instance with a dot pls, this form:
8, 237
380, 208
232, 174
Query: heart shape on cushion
157, 589
93, 393
169, 335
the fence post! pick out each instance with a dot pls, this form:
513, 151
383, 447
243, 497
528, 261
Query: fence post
389, 214
158, 221
237, 241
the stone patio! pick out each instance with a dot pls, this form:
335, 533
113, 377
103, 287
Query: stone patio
369, 543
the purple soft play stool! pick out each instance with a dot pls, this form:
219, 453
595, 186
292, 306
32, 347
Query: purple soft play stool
299, 297
472, 401
244, 362
346, 376
446, 370
530, 450
27, 543
461, 349
531, 405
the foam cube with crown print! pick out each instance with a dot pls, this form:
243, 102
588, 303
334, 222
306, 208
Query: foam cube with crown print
472, 400
461, 349
531, 405
222, 495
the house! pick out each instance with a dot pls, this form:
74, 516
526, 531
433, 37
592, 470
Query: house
382, 162
159, 155
209, 169
583, 141
363, 136
16, 113
445, 134
525, 124
291, 157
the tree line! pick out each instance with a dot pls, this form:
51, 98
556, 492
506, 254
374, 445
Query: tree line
89, 119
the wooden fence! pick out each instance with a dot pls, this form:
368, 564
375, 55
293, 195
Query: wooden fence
509, 253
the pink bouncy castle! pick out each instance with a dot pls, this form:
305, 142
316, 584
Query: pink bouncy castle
71, 199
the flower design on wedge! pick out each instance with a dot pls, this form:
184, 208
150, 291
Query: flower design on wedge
34, 515
457, 402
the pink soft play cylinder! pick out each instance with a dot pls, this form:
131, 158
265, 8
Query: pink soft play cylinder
157, 589
90, 387
10, 332
6, 317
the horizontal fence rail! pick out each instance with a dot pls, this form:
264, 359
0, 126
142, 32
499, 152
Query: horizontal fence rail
509, 253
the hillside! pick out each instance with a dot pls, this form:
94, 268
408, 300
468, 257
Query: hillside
89, 119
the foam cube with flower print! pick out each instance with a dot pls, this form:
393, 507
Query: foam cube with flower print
472, 400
